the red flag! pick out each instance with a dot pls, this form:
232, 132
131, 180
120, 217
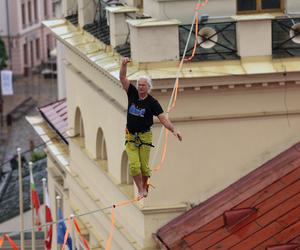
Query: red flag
48, 239
36, 202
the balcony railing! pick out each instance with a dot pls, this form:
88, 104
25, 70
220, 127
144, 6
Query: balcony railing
124, 49
216, 40
99, 30
286, 37
73, 19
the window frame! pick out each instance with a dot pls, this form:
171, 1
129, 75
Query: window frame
37, 48
36, 14
259, 9
25, 54
29, 8
23, 13
45, 9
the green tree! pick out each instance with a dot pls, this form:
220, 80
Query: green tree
3, 55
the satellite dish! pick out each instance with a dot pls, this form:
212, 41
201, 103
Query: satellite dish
295, 35
207, 37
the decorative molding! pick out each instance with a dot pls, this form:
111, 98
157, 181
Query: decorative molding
179, 208
231, 116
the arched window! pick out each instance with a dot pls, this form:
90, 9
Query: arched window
125, 176
79, 127
101, 152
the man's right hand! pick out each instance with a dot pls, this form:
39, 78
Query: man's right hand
122, 75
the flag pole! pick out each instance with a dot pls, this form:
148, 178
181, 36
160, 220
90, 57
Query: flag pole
21, 199
58, 202
32, 211
44, 200
72, 231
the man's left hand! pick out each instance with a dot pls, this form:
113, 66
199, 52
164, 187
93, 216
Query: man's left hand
178, 135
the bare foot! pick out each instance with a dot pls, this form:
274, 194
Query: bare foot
140, 195
145, 193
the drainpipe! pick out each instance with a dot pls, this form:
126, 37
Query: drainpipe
8, 35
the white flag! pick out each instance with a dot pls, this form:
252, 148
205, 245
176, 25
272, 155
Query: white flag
6, 82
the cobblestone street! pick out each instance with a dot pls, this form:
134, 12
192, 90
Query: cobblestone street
41, 91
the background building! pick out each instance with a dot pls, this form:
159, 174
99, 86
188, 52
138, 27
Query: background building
238, 105
28, 42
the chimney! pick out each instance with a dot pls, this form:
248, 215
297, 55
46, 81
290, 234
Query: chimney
86, 12
154, 41
118, 27
254, 35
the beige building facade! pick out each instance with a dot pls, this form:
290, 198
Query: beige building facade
28, 43
234, 115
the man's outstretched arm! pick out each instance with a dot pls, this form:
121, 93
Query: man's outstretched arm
123, 72
168, 124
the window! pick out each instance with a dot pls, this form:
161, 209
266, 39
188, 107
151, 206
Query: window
35, 6
270, 4
25, 53
125, 176
37, 48
79, 127
45, 9
29, 13
248, 6
31, 53
101, 152
23, 15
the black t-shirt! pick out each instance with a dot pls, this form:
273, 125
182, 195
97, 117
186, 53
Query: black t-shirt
140, 112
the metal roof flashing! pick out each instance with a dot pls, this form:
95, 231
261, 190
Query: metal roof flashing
101, 55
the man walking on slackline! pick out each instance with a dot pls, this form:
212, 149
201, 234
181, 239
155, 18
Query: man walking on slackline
141, 108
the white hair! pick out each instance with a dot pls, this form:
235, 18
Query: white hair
147, 79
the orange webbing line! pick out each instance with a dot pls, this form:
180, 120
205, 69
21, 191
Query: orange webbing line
11, 242
158, 166
81, 237
113, 219
197, 8
113, 222
196, 35
67, 233
175, 92
126, 202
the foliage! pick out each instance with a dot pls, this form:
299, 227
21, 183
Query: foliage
37, 155
3, 55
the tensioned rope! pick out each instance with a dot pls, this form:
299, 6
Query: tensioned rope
71, 217
171, 106
173, 99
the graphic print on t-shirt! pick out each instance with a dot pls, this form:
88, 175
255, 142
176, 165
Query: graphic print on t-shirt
133, 110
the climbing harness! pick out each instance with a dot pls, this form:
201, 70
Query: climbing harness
138, 141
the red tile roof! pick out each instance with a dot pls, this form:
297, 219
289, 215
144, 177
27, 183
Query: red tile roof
260, 211
56, 115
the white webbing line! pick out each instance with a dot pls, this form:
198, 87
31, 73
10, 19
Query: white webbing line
154, 159
30, 229
13, 233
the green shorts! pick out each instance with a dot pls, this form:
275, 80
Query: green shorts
138, 153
